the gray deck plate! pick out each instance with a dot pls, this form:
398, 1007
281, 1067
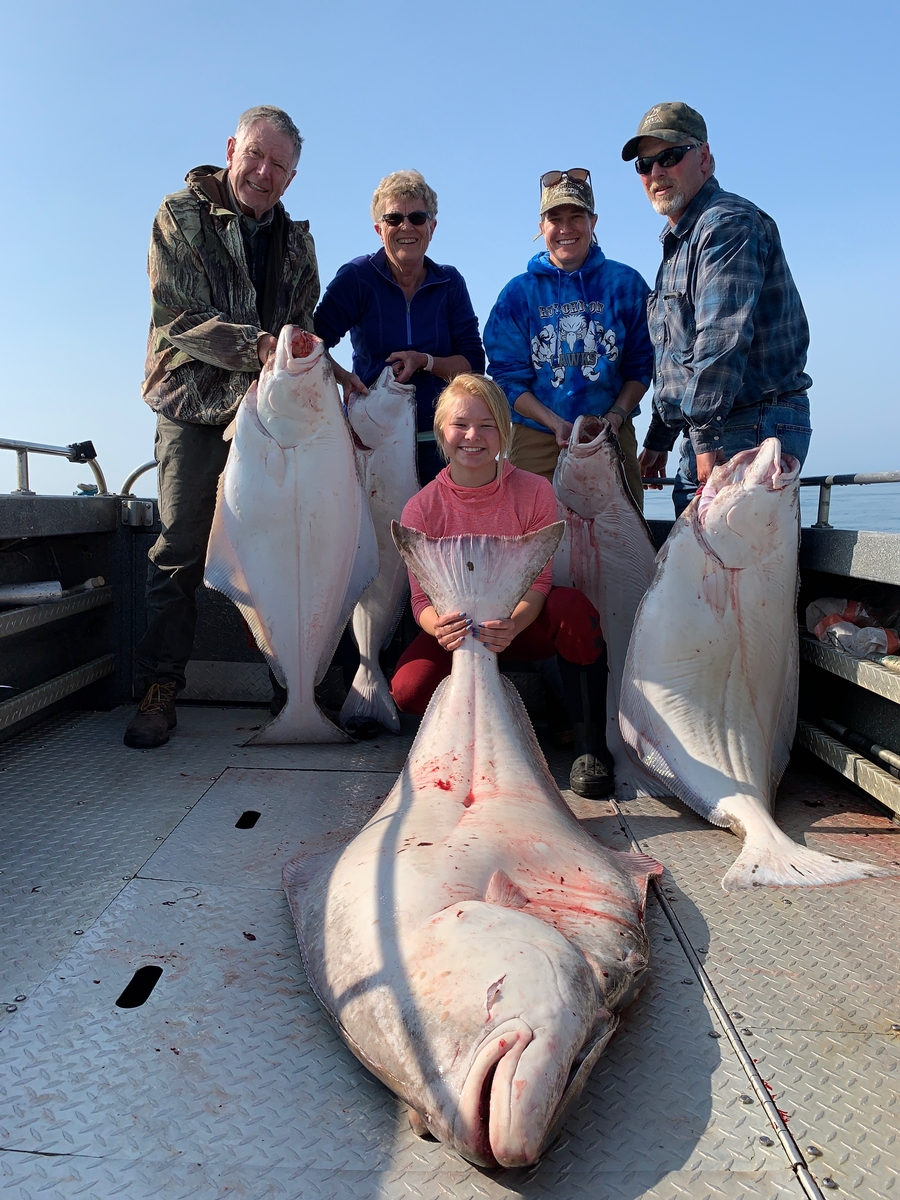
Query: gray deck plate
661, 1117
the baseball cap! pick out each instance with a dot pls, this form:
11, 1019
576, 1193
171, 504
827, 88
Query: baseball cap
568, 191
672, 122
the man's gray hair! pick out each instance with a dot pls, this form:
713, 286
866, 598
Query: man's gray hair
692, 141
277, 118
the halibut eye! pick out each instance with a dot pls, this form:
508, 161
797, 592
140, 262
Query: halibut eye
471, 566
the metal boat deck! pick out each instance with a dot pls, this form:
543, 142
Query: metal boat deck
229, 1080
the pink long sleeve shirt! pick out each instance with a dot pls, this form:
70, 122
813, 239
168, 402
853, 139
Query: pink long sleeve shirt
517, 502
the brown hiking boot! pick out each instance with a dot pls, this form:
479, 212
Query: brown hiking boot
154, 718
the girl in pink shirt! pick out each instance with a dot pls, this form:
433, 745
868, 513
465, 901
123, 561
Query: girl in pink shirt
479, 491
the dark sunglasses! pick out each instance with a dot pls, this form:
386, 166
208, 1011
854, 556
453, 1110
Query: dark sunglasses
414, 218
666, 158
579, 174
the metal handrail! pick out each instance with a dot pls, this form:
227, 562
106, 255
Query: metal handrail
125, 489
823, 482
77, 452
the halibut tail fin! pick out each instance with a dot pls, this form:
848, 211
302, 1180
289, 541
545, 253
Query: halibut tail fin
785, 863
492, 572
370, 697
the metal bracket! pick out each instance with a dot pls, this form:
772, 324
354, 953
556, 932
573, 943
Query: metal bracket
137, 513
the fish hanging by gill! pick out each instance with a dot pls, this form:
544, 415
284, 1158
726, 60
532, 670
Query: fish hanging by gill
709, 694
607, 553
384, 422
472, 943
292, 542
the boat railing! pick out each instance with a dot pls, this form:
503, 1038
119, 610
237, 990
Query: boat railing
77, 452
823, 482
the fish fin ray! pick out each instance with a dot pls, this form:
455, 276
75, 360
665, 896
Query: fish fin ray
501, 890
770, 865
638, 866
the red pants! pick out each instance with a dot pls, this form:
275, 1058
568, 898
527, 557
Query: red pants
568, 625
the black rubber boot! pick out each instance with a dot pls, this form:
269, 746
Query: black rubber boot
591, 775
154, 718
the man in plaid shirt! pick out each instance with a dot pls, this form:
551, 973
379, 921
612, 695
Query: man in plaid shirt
728, 328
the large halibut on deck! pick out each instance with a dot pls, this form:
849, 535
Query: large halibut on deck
709, 694
473, 943
292, 542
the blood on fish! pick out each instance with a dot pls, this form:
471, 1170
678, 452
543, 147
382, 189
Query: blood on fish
444, 784
470, 800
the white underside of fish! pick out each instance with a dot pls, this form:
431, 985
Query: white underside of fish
292, 543
607, 553
472, 942
709, 696
385, 423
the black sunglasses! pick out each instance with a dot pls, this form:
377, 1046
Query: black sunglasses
414, 218
579, 174
666, 158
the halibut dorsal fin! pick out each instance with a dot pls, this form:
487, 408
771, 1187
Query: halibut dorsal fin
501, 890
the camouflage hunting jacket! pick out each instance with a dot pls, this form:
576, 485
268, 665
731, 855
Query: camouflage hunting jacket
204, 322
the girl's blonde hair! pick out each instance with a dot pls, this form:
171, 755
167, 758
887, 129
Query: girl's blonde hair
482, 388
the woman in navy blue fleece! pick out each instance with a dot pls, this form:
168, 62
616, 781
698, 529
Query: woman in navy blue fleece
569, 337
399, 307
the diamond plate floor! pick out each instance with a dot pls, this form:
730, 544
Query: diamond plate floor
229, 1081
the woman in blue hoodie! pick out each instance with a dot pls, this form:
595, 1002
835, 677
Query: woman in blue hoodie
569, 337
401, 308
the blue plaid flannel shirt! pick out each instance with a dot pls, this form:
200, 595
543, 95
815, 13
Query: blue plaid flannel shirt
726, 320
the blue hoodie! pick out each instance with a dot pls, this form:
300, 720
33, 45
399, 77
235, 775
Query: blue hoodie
572, 338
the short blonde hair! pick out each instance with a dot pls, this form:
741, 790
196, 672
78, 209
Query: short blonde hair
481, 388
403, 185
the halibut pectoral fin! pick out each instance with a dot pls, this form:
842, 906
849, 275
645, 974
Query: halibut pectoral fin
638, 866
501, 890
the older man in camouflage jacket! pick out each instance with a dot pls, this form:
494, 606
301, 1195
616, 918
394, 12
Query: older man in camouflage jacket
228, 269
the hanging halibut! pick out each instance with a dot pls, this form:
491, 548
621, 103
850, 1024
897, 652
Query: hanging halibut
292, 542
607, 553
384, 422
472, 943
709, 695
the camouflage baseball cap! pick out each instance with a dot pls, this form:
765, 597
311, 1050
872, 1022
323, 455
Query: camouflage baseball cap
567, 191
670, 122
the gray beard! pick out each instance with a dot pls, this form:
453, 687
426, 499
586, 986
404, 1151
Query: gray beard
667, 205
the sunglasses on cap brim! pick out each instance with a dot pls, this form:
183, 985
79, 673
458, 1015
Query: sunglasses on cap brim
579, 174
666, 158
414, 218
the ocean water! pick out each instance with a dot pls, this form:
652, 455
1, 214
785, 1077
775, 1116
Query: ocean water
873, 506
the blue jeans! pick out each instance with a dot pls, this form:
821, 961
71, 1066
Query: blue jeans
784, 418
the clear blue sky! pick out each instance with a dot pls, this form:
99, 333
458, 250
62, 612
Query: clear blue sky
108, 105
